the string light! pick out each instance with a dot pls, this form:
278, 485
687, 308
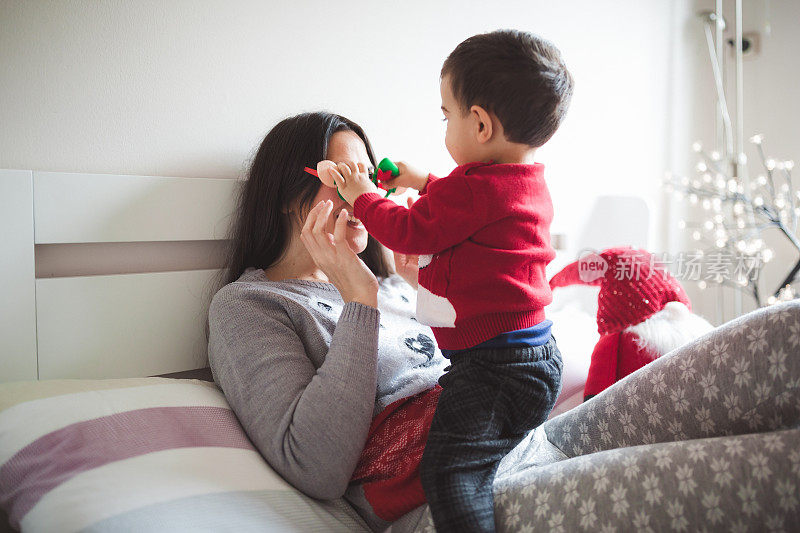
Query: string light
738, 211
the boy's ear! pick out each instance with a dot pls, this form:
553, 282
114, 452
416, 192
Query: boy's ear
483, 123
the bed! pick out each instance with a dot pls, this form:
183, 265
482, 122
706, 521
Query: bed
109, 420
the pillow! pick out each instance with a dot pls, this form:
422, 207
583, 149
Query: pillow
144, 454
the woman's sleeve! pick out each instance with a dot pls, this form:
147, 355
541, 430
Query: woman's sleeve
310, 424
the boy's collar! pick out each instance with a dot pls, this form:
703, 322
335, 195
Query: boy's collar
466, 167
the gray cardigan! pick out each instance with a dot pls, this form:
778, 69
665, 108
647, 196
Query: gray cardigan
306, 373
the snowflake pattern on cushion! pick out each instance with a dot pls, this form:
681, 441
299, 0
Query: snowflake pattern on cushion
705, 438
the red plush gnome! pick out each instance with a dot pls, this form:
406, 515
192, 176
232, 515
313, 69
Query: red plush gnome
643, 312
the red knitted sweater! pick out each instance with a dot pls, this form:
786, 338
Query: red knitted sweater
483, 236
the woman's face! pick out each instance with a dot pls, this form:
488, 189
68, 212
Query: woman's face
345, 146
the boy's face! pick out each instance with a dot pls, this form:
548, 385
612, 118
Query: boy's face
458, 138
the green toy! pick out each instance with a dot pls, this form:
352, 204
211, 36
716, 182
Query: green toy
386, 169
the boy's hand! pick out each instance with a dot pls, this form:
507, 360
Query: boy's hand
408, 177
352, 180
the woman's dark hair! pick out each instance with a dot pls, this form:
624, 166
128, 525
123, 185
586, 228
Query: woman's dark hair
276, 181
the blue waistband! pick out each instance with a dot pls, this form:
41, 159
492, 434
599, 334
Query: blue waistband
537, 335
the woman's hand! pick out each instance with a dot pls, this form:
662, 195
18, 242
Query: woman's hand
331, 253
407, 265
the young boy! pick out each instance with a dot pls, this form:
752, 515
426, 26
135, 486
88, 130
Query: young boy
482, 234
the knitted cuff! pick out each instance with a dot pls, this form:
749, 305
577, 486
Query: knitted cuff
431, 179
363, 201
362, 314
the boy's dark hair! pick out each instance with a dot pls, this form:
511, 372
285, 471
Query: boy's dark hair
516, 75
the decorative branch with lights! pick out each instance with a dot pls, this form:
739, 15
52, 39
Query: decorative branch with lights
739, 213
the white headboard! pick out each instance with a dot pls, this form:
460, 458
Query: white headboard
108, 325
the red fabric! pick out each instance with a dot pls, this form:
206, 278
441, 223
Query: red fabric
384, 175
615, 356
570, 275
603, 366
487, 227
631, 356
389, 465
633, 288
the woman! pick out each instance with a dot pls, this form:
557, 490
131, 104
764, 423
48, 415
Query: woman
314, 342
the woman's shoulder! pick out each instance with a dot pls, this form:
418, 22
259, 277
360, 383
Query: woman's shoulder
247, 286
253, 291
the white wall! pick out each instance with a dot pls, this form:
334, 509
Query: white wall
187, 88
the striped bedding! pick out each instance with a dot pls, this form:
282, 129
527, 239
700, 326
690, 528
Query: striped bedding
146, 454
